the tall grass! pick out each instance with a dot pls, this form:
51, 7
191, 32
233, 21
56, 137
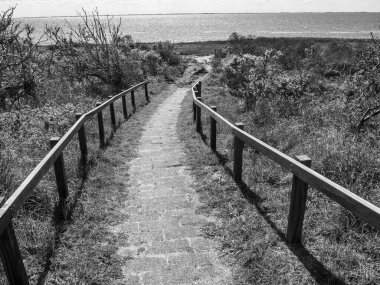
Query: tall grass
338, 248
63, 87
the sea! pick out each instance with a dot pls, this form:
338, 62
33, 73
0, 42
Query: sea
212, 27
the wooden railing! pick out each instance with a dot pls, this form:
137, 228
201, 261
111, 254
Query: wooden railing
303, 175
9, 250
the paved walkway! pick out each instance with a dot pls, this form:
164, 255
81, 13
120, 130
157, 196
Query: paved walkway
165, 243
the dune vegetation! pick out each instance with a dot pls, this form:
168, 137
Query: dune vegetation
314, 97
44, 82
317, 97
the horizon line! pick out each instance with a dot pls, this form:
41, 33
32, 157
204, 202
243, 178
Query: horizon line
194, 13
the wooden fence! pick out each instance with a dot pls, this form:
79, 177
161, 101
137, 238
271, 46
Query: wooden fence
303, 175
9, 251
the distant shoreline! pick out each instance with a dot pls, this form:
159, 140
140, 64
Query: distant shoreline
177, 14
202, 48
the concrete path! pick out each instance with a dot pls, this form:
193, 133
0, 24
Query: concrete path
165, 243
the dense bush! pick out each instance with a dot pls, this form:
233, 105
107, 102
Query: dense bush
21, 65
96, 52
240, 44
322, 101
363, 94
43, 83
167, 52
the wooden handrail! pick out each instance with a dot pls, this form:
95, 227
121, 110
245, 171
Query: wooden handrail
9, 251
113, 99
352, 202
15, 201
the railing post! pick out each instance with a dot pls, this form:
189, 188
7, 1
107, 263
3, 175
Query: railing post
112, 112
198, 124
195, 106
11, 256
133, 100
101, 126
146, 92
194, 112
199, 88
125, 112
213, 131
82, 140
238, 155
60, 172
297, 205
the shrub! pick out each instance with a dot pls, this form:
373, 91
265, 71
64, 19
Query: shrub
363, 95
88, 53
6, 175
236, 73
151, 62
239, 44
251, 78
21, 68
167, 52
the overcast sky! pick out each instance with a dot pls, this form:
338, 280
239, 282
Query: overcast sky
69, 7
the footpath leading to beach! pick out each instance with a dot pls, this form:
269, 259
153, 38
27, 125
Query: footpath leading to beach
164, 240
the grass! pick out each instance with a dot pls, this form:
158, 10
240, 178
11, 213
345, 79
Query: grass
81, 249
85, 251
200, 48
209, 47
253, 215
38, 231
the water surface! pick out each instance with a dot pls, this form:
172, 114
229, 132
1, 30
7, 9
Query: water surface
202, 27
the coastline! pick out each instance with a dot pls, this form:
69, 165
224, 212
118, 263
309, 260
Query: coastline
206, 13
202, 48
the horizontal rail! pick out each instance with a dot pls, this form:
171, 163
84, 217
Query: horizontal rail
352, 202
113, 99
15, 201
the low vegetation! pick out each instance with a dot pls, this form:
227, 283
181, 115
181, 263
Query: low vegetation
302, 96
318, 98
44, 82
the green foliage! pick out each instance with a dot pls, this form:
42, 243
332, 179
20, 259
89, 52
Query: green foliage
6, 175
325, 105
240, 44
41, 89
151, 62
167, 52
363, 95
252, 220
236, 73
21, 65
297, 73
96, 52
258, 78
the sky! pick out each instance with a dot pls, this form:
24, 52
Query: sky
36, 8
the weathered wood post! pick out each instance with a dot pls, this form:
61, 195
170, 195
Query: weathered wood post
213, 131
297, 205
198, 124
195, 106
238, 155
112, 112
125, 111
101, 126
60, 172
11, 257
199, 88
82, 140
146, 92
133, 100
